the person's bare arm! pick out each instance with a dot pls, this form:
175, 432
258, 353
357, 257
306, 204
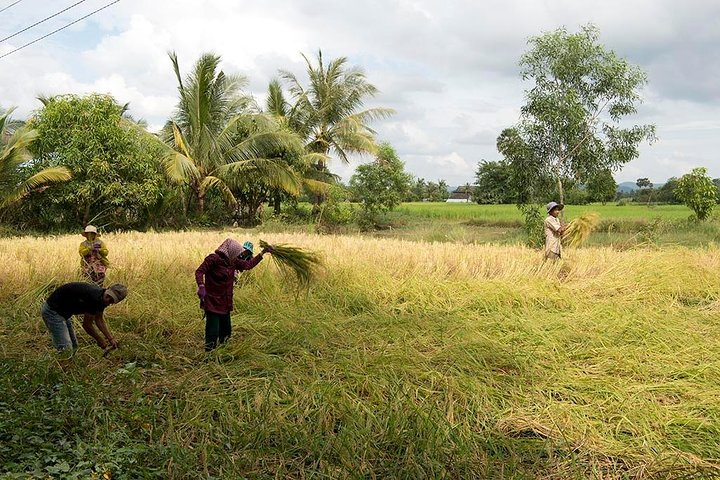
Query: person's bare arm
89, 327
100, 322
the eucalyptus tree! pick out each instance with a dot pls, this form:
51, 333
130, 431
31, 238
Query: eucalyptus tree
15, 140
211, 146
574, 122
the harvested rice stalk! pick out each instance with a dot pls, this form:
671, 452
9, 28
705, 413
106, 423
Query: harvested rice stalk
579, 229
302, 263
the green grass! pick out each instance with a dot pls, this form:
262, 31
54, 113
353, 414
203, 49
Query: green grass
404, 360
510, 213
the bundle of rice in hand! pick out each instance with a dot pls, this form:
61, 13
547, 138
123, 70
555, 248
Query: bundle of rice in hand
579, 229
304, 264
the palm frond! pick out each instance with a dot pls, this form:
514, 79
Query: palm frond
180, 168
15, 151
272, 172
214, 182
40, 179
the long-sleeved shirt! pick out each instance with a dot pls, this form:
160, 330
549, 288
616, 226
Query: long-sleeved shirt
552, 235
88, 258
217, 273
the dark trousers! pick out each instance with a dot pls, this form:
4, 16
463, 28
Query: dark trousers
217, 329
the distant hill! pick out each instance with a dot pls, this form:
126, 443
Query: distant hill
626, 187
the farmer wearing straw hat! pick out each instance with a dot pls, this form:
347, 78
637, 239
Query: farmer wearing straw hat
78, 298
215, 278
93, 254
553, 231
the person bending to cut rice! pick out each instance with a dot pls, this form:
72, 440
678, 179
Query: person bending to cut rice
553, 231
78, 298
215, 278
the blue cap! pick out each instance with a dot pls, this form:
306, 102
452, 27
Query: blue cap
248, 246
552, 205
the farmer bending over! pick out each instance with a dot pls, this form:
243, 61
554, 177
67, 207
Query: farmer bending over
215, 279
80, 298
553, 231
93, 253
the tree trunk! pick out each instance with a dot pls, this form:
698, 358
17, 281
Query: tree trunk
276, 203
561, 192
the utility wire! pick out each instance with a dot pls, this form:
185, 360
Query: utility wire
14, 3
61, 28
42, 21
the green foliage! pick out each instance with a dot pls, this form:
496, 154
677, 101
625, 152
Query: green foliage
666, 193
114, 162
602, 187
533, 221
381, 186
697, 190
494, 182
219, 141
15, 140
570, 125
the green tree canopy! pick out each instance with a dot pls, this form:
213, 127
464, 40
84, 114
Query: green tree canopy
573, 123
602, 187
697, 190
380, 186
116, 175
494, 183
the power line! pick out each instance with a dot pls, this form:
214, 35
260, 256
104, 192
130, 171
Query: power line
61, 28
42, 21
14, 3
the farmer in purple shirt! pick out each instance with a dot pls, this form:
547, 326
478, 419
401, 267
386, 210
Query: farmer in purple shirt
215, 279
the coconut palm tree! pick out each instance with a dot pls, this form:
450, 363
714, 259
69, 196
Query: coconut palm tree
15, 138
329, 112
211, 142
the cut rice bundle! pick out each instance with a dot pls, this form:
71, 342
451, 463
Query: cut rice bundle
579, 229
304, 264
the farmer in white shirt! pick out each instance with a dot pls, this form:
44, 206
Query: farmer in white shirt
553, 231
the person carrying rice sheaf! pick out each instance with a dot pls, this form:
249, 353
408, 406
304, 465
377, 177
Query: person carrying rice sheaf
215, 279
553, 231
93, 254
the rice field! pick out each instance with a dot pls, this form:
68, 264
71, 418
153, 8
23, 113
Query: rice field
402, 360
510, 213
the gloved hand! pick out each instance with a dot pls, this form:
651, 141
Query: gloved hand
201, 292
268, 249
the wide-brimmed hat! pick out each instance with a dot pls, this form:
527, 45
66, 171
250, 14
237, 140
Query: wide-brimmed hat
550, 206
118, 292
90, 229
248, 246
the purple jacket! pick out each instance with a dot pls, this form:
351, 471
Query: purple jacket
219, 277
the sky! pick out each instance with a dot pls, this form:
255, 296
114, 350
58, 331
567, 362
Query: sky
449, 69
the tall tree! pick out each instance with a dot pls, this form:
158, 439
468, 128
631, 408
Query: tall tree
210, 146
575, 113
15, 140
